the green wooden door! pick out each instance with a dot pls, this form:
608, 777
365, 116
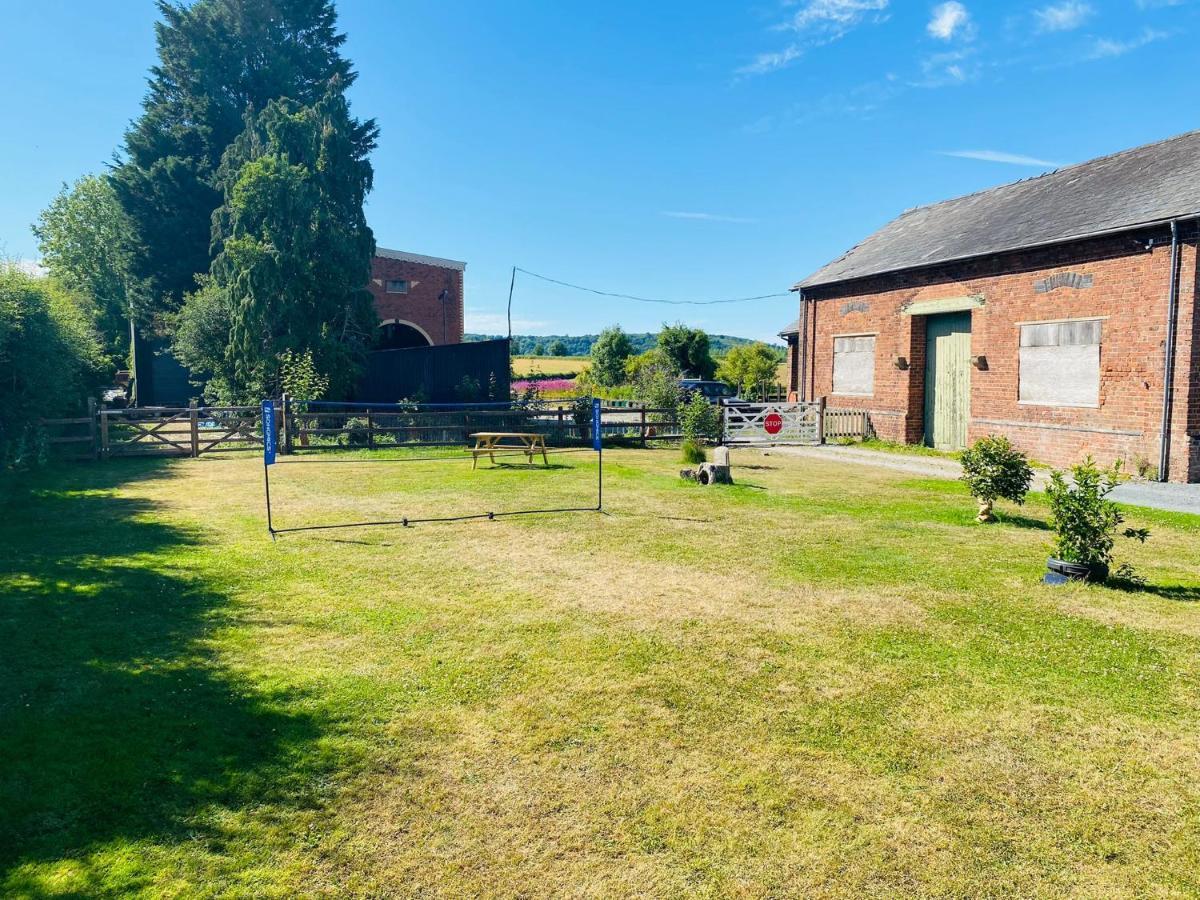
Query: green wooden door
947, 380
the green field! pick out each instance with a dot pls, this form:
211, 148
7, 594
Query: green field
824, 681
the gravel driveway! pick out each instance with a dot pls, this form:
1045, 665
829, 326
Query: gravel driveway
1169, 496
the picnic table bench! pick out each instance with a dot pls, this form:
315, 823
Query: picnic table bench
488, 442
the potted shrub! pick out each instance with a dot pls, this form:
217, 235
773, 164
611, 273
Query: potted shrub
1086, 522
995, 470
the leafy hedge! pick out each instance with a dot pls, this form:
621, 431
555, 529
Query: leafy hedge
51, 361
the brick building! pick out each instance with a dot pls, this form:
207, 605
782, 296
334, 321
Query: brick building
1060, 311
419, 299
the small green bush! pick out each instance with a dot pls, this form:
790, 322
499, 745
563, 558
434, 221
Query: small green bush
1085, 521
698, 419
467, 390
995, 470
355, 433
693, 453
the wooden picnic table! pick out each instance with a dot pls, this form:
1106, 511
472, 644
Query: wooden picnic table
488, 442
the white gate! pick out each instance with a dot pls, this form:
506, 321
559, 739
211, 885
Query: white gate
772, 423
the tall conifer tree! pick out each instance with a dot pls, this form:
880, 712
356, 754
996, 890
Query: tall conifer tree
217, 59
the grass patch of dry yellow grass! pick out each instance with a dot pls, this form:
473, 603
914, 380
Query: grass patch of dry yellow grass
824, 681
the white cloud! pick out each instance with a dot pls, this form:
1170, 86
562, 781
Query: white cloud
834, 15
942, 69
707, 217
480, 322
1106, 48
998, 156
948, 19
769, 62
1065, 16
816, 23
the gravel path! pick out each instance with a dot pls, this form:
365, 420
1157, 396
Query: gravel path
1175, 497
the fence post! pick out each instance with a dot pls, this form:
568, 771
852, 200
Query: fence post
370, 431
821, 421
285, 417
643, 426
92, 427
194, 427
104, 433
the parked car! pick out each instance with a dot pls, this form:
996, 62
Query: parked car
713, 391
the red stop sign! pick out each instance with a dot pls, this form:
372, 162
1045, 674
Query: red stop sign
773, 423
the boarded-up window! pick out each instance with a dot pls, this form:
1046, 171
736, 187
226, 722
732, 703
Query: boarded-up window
854, 365
1060, 363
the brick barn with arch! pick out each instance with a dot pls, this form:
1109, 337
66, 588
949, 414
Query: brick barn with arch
419, 299
1059, 311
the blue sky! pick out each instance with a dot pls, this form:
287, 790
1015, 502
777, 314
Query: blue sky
677, 150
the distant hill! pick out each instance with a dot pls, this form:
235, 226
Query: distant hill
581, 344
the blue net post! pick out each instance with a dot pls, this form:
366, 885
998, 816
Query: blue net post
598, 446
269, 446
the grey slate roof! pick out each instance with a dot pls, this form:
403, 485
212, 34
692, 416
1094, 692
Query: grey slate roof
794, 328
1145, 185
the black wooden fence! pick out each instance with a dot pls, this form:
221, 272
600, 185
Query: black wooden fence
453, 373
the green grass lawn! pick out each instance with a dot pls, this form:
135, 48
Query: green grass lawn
824, 681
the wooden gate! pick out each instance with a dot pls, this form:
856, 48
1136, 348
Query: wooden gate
772, 423
947, 380
179, 431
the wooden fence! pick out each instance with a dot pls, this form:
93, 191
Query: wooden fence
73, 438
196, 430
374, 427
846, 424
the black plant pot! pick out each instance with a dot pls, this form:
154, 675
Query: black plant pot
1094, 572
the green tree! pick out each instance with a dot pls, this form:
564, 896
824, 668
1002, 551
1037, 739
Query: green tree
609, 353
689, 348
294, 251
216, 60
657, 385
994, 469
80, 236
652, 357
51, 360
201, 340
558, 348
747, 366
699, 420
538, 350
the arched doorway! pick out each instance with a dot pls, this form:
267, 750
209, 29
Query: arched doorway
397, 334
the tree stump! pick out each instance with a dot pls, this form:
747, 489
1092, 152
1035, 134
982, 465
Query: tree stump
708, 473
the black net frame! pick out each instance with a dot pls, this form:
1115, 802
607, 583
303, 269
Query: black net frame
437, 426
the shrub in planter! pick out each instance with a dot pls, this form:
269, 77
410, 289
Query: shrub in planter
1085, 522
693, 453
995, 470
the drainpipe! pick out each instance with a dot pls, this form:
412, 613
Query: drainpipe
1164, 449
802, 349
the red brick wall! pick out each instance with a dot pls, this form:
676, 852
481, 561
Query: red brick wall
1129, 287
420, 305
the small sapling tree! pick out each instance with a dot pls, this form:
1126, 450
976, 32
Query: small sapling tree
700, 421
1085, 521
995, 470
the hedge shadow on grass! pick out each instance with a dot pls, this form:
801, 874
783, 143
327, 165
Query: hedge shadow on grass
117, 723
